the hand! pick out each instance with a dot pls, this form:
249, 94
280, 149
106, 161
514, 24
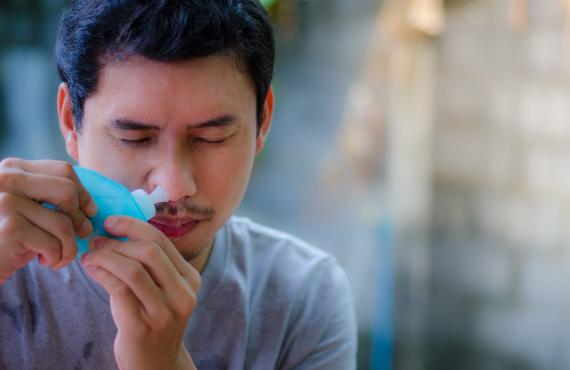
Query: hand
28, 229
153, 293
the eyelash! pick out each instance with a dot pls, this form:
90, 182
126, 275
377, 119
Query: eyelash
212, 142
137, 143
147, 141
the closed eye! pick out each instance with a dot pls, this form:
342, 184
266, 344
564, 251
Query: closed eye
138, 142
211, 141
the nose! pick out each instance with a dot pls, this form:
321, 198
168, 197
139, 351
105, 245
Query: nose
174, 175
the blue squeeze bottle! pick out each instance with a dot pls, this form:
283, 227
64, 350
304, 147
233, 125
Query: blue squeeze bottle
114, 199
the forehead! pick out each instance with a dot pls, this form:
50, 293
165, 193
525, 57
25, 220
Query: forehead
168, 90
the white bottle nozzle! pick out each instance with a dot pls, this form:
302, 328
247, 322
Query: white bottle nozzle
146, 201
158, 195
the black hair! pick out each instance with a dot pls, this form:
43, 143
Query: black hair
91, 31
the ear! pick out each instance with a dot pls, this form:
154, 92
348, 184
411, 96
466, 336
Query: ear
66, 120
266, 118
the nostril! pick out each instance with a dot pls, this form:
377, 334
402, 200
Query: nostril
175, 179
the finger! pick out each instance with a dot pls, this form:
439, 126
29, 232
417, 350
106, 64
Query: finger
53, 223
56, 224
101, 242
125, 305
62, 193
26, 241
57, 169
138, 230
178, 293
131, 273
58, 191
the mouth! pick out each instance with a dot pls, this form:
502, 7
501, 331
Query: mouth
174, 228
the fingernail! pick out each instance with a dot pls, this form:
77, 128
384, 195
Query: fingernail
110, 222
86, 228
97, 243
91, 208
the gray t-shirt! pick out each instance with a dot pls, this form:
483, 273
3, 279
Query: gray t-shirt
268, 301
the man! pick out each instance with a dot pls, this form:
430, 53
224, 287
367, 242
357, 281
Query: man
173, 94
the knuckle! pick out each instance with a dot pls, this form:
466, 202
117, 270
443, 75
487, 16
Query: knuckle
9, 162
194, 279
67, 254
69, 193
66, 169
51, 255
5, 177
121, 288
7, 201
149, 252
186, 301
197, 278
64, 225
187, 304
163, 321
161, 237
191, 297
134, 273
10, 178
10, 226
52, 245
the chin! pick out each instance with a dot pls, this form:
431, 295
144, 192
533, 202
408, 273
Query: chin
189, 256
189, 250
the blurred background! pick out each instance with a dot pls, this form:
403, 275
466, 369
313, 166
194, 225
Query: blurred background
424, 143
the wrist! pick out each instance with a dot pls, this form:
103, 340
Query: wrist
185, 361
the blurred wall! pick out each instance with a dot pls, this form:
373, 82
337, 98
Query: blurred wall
28, 79
498, 255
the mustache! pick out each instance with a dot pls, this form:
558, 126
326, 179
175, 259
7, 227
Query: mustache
184, 207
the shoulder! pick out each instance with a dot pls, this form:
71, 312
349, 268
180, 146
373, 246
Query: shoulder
262, 242
310, 287
286, 263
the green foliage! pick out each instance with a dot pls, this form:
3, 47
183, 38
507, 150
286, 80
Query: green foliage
268, 3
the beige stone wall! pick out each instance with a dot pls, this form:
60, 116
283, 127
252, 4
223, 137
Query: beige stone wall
500, 217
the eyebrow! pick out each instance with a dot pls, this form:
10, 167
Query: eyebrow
126, 124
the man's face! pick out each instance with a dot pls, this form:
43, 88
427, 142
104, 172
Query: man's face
188, 127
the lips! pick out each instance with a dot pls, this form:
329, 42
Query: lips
174, 228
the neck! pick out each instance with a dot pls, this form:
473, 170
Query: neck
199, 262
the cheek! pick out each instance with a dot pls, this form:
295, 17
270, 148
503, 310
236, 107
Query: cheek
99, 154
223, 176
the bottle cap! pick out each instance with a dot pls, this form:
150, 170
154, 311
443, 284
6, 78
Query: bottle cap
158, 195
146, 202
